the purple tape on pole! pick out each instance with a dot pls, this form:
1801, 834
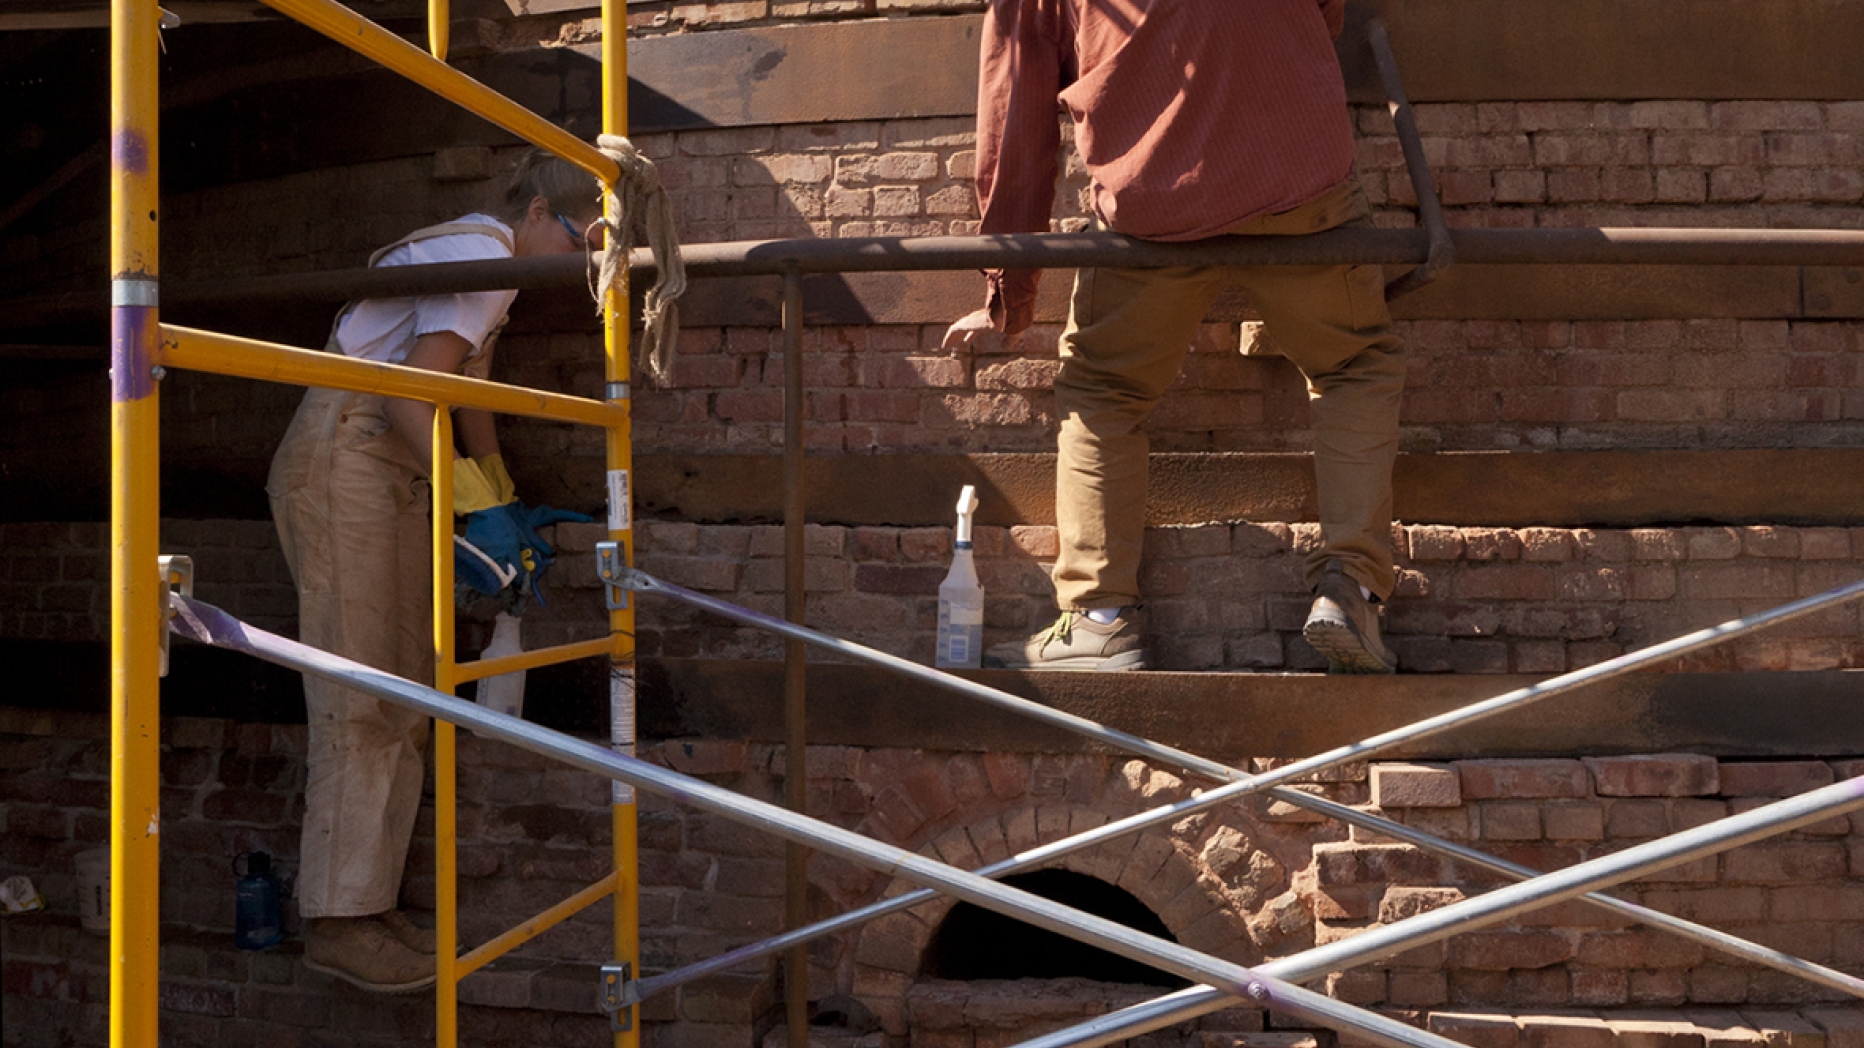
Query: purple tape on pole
129, 152
130, 377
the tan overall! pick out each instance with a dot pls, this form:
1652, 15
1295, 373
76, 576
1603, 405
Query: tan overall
1127, 334
351, 503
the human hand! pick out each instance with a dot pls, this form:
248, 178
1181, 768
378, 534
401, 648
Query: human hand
980, 332
527, 519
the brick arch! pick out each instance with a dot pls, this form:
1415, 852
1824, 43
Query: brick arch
1205, 877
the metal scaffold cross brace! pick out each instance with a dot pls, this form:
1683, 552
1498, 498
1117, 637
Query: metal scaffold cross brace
1272, 985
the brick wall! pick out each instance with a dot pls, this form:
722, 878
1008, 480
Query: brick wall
1470, 600
1255, 880
1472, 384
1220, 596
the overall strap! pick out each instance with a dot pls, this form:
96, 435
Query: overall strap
446, 229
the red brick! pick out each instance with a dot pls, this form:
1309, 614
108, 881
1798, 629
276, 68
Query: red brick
1363, 987
1523, 778
1504, 821
1747, 580
1416, 989
1347, 902
1773, 778
1717, 905
1503, 950
1637, 948
1505, 582
1415, 786
1784, 863
1008, 774
1636, 819
1766, 116
1830, 903
1574, 822
1654, 775
1668, 986
1347, 864
1475, 1030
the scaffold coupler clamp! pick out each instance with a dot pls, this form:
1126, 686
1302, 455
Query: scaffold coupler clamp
177, 575
618, 579
617, 996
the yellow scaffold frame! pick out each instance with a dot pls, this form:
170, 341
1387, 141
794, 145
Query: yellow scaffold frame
142, 348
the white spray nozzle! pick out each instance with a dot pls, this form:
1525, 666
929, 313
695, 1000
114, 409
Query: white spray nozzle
967, 505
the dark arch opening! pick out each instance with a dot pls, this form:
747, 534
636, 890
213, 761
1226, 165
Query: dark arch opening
975, 943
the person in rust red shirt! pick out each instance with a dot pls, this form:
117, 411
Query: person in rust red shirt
1195, 118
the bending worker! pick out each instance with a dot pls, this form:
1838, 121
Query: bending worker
1194, 119
349, 490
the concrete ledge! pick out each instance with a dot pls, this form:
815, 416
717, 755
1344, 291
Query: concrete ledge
1233, 716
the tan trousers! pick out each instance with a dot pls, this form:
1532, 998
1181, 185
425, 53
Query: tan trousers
352, 511
1128, 331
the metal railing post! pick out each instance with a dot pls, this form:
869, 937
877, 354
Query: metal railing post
795, 662
136, 610
619, 450
1423, 186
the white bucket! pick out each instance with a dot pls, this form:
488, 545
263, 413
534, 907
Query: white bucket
94, 890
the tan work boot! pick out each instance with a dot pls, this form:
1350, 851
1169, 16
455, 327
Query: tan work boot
1076, 642
361, 951
410, 934
1344, 626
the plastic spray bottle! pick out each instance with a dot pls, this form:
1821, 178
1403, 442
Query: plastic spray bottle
961, 597
505, 692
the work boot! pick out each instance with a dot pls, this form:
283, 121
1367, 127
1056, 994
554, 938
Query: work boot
362, 952
1344, 626
410, 934
1076, 642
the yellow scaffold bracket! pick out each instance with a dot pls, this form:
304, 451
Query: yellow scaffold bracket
617, 988
177, 574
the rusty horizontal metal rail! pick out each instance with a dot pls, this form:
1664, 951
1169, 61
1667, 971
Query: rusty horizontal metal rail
1395, 247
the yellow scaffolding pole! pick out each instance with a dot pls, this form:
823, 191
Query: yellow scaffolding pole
136, 605
621, 532
446, 778
141, 346
359, 34
249, 358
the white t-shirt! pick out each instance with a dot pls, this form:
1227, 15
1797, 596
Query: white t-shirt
384, 329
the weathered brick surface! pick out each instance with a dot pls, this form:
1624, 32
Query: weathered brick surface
1661, 775
1415, 786
1221, 596
1231, 884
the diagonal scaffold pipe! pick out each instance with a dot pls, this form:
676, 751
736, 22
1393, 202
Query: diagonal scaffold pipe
210, 625
1239, 782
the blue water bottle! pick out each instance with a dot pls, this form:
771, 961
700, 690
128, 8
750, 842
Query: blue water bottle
255, 904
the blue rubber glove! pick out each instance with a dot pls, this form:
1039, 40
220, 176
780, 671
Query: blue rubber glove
490, 556
537, 554
527, 519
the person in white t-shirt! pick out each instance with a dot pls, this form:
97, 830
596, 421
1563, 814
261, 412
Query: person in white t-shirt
350, 493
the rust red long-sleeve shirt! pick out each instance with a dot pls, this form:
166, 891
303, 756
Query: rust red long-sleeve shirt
1191, 115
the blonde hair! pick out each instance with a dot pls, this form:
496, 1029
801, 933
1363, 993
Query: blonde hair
569, 189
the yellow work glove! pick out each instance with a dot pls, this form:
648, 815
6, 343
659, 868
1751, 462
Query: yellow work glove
502, 487
472, 489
